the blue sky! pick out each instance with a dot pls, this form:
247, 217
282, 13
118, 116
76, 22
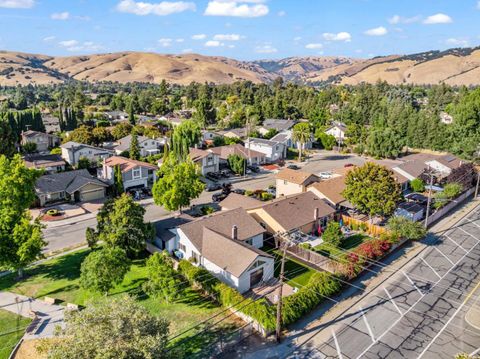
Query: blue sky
242, 29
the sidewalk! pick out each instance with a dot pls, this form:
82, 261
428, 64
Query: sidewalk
48, 316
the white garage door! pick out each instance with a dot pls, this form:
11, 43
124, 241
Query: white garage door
92, 195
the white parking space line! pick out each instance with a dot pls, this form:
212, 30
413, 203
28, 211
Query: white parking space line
471, 235
412, 283
340, 356
448, 259
478, 227
456, 243
370, 332
475, 352
429, 266
393, 302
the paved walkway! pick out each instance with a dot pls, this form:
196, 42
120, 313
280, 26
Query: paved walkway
47, 319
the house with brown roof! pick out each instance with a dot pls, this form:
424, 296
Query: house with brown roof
303, 212
43, 141
227, 244
253, 157
442, 164
290, 181
331, 190
235, 200
48, 163
411, 169
207, 161
135, 174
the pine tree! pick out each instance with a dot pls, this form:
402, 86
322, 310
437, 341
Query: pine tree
134, 152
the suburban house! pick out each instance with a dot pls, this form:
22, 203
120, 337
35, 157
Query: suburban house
235, 200
206, 160
272, 150
337, 130
285, 138
411, 169
227, 244
277, 124
253, 157
116, 115
73, 151
135, 174
208, 136
304, 212
402, 180
147, 146
237, 133
72, 186
48, 163
412, 211
290, 182
331, 190
44, 141
442, 164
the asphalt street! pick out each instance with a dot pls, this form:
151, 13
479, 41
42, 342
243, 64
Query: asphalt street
72, 234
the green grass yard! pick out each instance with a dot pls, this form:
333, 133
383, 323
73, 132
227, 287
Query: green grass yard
59, 278
12, 327
348, 243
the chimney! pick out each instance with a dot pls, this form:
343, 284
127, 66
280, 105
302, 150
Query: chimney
234, 232
315, 214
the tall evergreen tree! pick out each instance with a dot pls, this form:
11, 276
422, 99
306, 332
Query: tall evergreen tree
134, 152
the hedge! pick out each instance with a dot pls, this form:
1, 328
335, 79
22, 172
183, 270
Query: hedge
320, 286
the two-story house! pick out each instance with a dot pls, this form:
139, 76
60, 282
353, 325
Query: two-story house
337, 130
135, 174
48, 163
290, 182
272, 150
43, 141
73, 151
147, 146
206, 161
278, 125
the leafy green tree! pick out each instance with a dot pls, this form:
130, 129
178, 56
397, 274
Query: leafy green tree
452, 190
116, 327
218, 141
185, 136
236, 163
163, 280
204, 111
270, 133
327, 141
417, 185
21, 239
406, 228
7, 139
384, 143
121, 130
178, 184
134, 151
120, 224
117, 181
100, 135
82, 134
372, 189
103, 269
83, 163
91, 238
333, 234
29, 147
56, 151
301, 135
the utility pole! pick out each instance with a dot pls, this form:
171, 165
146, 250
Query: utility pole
478, 184
278, 329
429, 200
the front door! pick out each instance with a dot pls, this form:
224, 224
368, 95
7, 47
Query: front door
256, 277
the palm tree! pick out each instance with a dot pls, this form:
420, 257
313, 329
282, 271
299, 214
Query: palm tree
301, 135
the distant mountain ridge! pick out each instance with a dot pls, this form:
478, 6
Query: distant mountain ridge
453, 66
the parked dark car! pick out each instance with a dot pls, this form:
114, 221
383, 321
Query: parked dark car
239, 191
218, 197
211, 177
293, 167
255, 169
348, 165
147, 191
213, 187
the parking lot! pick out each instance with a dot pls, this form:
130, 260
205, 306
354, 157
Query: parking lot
420, 313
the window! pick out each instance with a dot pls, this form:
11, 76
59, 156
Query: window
285, 182
182, 247
136, 173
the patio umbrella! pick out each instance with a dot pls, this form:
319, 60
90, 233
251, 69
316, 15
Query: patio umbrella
340, 222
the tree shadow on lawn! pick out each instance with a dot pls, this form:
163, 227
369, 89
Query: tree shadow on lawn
64, 267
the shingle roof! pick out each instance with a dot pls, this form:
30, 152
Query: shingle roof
332, 189
42, 161
236, 149
281, 137
163, 227
196, 154
235, 200
126, 164
222, 223
298, 210
76, 146
294, 176
414, 168
278, 124
232, 256
262, 141
69, 182
125, 142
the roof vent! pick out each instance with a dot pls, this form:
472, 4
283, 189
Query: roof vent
234, 232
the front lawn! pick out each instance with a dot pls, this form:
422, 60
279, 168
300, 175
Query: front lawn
348, 243
12, 328
59, 278
296, 273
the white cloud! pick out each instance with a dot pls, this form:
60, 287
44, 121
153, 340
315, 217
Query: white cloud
438, 19
161, 9
457, 42
236, 8
60, 15
377, 31
187, 51
297, 38
281, 13
77, 46
397, 19
213, 43
49, 38
313, 46
179, 40
17, 4
227, 37
199, 37
341, 36
265, 49
165, 42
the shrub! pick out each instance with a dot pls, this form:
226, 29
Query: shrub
333, 234
452, 190
56, 151
417, 185
53, 212
266, 196
207, 210
248, 193
405, 228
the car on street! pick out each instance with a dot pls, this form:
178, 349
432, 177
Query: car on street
213, 187
293, 167
239, 191
218, 197
255, 169
348, 165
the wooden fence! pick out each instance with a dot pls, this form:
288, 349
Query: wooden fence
370, 228
311, 257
